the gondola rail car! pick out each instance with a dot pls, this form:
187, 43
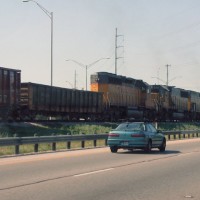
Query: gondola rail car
10, 80
64, 103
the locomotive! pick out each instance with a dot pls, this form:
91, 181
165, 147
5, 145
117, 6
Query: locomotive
122, 97
111, 98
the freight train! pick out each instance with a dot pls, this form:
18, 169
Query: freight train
111, 98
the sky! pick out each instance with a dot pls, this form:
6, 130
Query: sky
151, 35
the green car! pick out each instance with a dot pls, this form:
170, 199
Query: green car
136, 135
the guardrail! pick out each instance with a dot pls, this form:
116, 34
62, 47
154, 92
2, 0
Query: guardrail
36, 140
181, 134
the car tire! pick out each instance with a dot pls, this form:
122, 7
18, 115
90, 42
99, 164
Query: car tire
148, 147
163, 146
113, 149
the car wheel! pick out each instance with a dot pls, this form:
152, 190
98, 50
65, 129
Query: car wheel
148, 147
113, 149
163, 146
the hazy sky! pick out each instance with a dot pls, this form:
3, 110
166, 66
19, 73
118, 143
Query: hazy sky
155, 33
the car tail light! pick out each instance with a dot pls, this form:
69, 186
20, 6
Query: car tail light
138, 135
113, 135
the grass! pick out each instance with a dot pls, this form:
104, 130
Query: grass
178, 126
40, 129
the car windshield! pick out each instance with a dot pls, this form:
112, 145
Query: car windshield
130, 126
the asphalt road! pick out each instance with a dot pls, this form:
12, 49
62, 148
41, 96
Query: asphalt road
97, 174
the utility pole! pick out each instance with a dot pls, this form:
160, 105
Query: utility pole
116, 47
168, 74
116, 52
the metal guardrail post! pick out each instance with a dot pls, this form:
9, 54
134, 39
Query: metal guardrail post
53, 146
16, 149
68, 145
17, 145
83, 144
106, 142
174, 136
36, 148
169, 137
95, 143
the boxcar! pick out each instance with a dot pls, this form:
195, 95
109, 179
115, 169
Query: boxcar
9, 92
38, 99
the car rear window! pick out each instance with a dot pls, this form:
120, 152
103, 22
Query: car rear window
130, 126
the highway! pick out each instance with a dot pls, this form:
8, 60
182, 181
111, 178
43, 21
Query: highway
97, 174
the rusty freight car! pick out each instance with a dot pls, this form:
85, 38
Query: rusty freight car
57, 102
9, 92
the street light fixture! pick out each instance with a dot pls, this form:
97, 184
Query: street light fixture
50, 15
87, 67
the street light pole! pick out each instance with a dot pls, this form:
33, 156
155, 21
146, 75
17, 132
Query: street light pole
51, 48
50, 15
87, 67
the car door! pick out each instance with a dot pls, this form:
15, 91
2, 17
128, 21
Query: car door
156, 138
150, 134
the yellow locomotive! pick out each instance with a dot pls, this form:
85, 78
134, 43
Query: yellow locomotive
122, 97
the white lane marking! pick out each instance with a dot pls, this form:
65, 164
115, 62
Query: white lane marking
94, 172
